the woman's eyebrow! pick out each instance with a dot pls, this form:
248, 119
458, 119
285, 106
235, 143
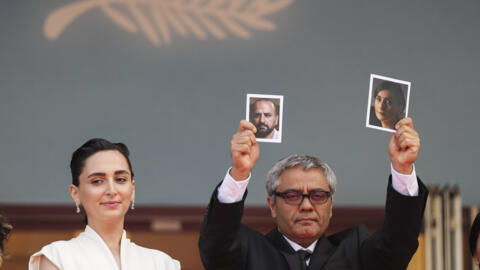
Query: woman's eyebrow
122, 172
104, 174
96, 174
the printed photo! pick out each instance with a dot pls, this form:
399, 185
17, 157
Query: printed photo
387, 102
265, 112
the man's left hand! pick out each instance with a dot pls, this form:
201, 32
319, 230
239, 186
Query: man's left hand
404, 146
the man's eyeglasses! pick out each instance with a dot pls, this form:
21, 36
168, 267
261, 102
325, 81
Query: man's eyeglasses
295, 197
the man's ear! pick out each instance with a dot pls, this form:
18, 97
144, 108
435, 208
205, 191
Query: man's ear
271, 204
74, 194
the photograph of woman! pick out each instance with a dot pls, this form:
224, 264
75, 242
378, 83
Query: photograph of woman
104, 188
388, 103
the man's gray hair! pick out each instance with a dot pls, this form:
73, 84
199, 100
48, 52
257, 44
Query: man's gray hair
307, 162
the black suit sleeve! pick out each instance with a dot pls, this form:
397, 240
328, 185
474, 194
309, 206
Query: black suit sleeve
393, 245
219, 242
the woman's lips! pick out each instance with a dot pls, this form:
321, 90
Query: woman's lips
110, 204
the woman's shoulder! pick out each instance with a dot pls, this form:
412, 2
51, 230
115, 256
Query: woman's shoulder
153, 255
58, 246
55, 252
61, 248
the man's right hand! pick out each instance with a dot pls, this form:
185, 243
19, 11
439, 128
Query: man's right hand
244, 150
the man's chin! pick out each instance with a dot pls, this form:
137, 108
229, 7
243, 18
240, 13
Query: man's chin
308, 235
263, 134
308, 230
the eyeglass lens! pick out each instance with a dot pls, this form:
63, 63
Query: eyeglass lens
316, 196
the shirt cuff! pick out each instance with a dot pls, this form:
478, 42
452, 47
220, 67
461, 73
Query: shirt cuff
405, 184
232, 191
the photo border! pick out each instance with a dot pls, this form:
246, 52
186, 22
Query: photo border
390, 79
280, 111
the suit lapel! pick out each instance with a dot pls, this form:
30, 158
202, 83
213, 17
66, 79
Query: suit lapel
323, 250
277, 239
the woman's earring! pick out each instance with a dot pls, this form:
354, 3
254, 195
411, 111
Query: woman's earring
132, 205
78, 207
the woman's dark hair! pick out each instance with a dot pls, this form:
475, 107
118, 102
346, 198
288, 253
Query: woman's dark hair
474, 234
395, 89
5, 229
91, 147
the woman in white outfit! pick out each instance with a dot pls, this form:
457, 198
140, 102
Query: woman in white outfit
102, 183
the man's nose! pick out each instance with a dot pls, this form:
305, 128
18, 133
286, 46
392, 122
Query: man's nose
306, 204
262, 118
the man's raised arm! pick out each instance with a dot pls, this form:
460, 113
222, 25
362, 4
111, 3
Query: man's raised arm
219, 244
403, 149
394, 243
244, 151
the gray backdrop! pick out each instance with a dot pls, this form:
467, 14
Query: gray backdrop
177, 106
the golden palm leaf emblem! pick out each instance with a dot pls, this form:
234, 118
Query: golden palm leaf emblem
158, 18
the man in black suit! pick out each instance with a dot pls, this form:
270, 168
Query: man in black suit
474, 240
300, 191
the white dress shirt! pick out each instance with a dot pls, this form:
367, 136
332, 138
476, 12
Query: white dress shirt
297, 247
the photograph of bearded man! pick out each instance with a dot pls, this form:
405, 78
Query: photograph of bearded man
264, 113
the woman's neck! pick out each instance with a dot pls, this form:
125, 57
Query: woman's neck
111, 233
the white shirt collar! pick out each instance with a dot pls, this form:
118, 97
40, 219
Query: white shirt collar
297, 247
